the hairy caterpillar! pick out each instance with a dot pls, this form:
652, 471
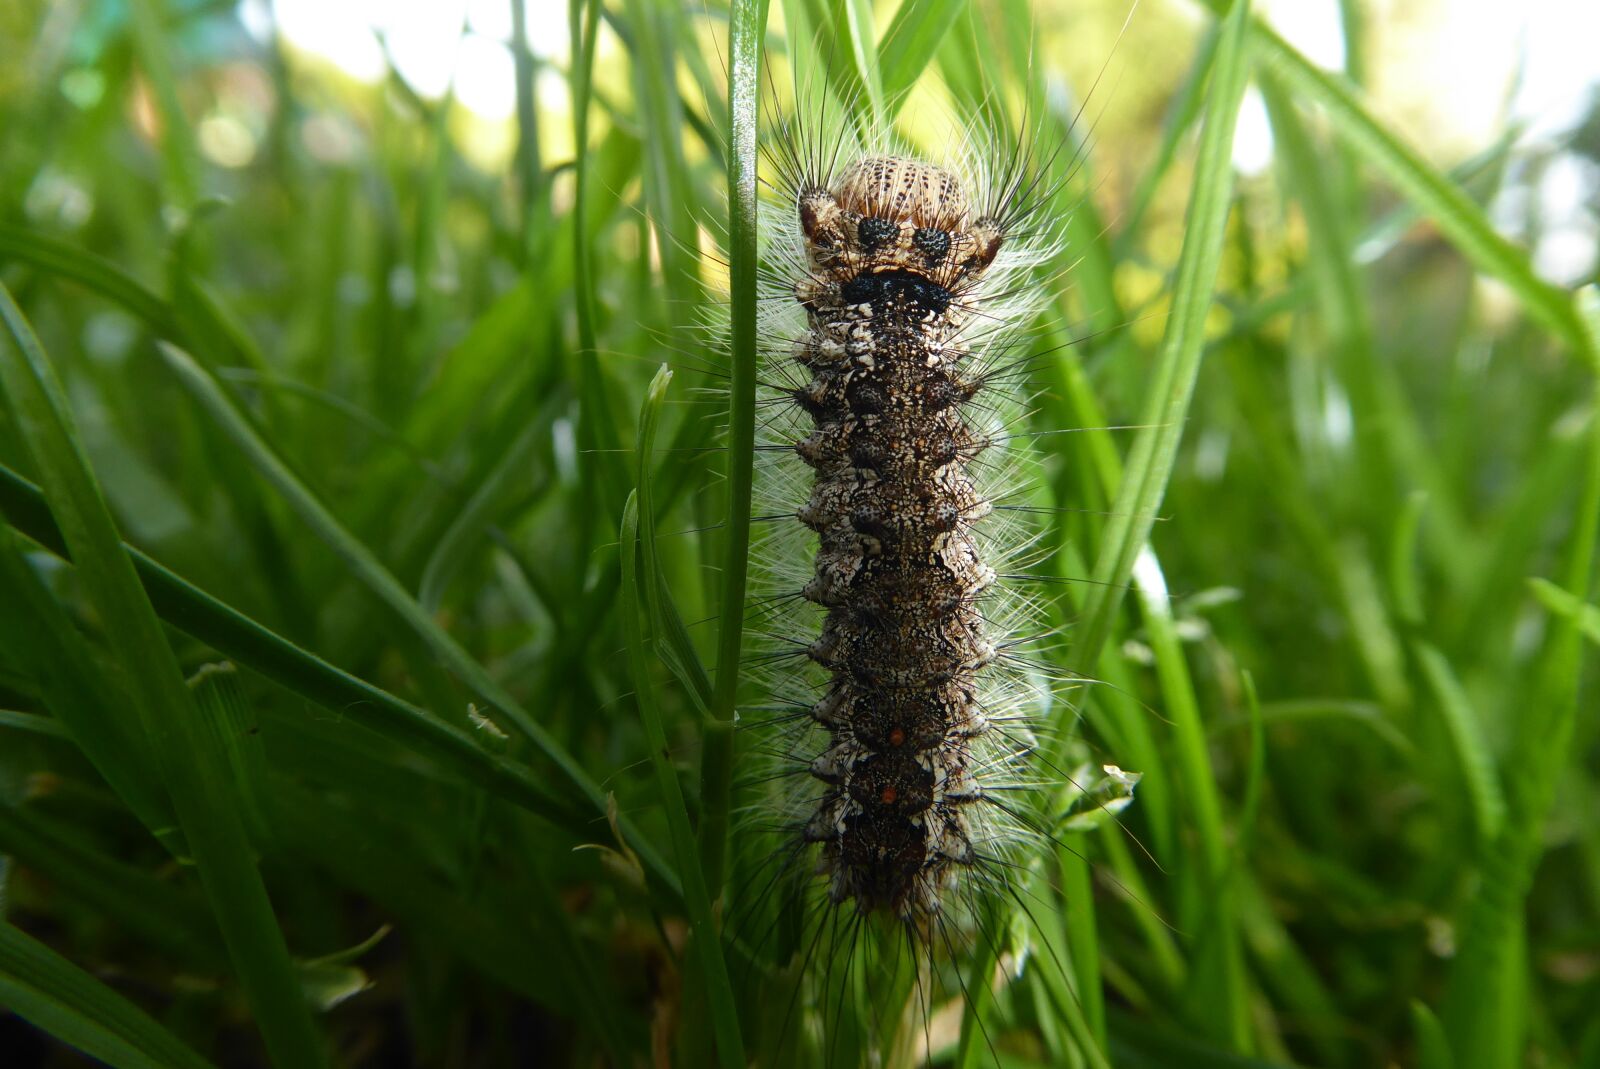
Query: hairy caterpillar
895, 637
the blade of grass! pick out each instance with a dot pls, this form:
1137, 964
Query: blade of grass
188, 750
1466, 735
1441, 200
44, 988
852, 22
1217, 997
1485, 1009
1389, 445
221, 699
179, 154
193, 611
671, 639
35, 724
366, 567
661, 114
1082, 938
530, 180
747, 24
534, 954
470, 523
160, 913
41, 640
1564, 604
97, 274
912, 39
597, 430
1155, 448
708, 956
1138, 1044
1433, 1047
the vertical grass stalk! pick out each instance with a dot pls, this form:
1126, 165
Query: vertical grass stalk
1485, 1011
748, 18
707, 947
1144, 482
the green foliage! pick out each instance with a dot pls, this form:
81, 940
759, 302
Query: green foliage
360, 439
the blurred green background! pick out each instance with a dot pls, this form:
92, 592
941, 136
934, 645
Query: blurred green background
348, 313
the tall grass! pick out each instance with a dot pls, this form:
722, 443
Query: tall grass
384, 427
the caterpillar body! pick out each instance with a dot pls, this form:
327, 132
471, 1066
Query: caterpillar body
893, 260
896, 629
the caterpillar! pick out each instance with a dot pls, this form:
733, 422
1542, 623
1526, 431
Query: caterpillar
901, 703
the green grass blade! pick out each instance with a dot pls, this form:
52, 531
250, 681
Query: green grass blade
46, 989
152, 42
1433, 1047
471, 522
1150, 463
99, 275
535, 954
598, 430
34, 723
40, 639
366, 567
1564, 604
673, 646
858, 48
1218, 1001
249, 643
158, 912
206, 805
708, 956
911, 40
745, 29
221, 700
1466, 735
1139, 1045
1435, 195
667, 187
1486, 1005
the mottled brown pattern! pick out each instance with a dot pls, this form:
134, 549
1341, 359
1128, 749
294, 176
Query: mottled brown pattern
893, 256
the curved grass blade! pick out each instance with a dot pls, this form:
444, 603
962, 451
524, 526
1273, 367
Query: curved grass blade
41, 642
371, 573
1149, 466
708, 957
531, 951
1486, 1005
852, 22
230, 632
1435, 195
1473, 754
187, 749
748, 20
156, 911
103, 277
449, 555
52, 993
908, 46
1564, 604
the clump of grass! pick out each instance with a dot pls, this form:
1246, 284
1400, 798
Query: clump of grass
364, 418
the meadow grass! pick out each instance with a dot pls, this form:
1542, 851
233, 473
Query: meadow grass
372, 595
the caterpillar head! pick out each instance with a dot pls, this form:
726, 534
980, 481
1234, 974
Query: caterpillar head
889, 213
